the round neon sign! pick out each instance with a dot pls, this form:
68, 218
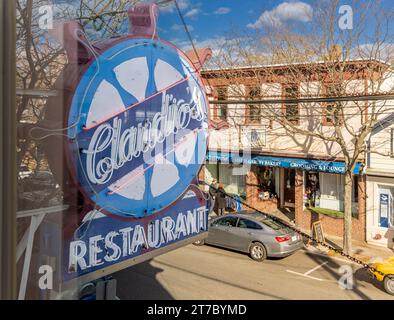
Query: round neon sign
137, 127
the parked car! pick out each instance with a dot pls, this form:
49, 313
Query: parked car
255, 233
387, 267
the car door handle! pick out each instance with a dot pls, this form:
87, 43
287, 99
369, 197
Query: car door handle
251, 233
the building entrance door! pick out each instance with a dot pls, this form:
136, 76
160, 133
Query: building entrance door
289, 188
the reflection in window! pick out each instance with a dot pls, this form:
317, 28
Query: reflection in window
247, 224
227, 222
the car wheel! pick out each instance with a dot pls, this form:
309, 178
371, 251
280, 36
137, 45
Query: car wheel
389, 284
199, 243
257, 252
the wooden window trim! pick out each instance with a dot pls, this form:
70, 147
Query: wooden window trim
248, 120
216, 117
326, 123
284, 96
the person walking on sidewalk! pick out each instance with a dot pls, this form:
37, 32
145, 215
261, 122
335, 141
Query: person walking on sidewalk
220, 201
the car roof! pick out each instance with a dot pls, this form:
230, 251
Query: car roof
253, 216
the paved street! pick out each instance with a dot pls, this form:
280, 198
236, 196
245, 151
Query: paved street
212, 273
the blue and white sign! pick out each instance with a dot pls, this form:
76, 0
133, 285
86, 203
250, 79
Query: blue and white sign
384, 210
102, 242
281, 162
138, 128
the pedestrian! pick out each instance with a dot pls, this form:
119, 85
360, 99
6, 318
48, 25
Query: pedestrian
212, 193
220, 200
212, 189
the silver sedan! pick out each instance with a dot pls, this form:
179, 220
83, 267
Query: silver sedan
256, 234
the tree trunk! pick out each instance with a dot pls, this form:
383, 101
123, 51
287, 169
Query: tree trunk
347, 221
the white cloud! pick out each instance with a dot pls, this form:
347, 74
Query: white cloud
183, 5
180, 27
193, 13
222, 10
286, 11
381, 51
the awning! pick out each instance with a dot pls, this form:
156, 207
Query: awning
282, 162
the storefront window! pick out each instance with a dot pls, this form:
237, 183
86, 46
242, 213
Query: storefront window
89, 73
267, 186
326, 191
234, 184
312, 189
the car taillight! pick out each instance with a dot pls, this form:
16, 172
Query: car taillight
282, 239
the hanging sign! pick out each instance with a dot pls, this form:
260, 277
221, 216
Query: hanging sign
103, 243
138, 127
136, 139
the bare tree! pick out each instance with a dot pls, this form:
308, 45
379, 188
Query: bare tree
317, 60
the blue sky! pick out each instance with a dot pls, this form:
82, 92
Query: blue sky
213, 19
210, 19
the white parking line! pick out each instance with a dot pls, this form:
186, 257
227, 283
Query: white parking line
314, 269
307, 274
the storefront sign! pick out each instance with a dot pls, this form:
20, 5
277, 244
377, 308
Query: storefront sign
102, 242
281, 162
318, 232
136, 138
384, 210
256, 138
137, 128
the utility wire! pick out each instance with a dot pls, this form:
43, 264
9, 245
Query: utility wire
366, 98
190, 39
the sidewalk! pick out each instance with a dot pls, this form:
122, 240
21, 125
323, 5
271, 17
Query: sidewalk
361, 250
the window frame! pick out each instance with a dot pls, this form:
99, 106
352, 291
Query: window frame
326, 123
285, 106
252, 96
220, 93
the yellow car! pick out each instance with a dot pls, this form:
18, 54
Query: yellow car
387, 267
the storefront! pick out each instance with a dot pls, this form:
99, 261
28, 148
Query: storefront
270, 183
380, 210
380, 184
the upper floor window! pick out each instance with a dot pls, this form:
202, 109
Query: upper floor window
221, 110
254, 110
291, 109
332, 110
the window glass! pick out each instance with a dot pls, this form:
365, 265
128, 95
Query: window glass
227, 222
222, 110
332, 110
234, 184
248, 224
90, 72
254, 109
292, 111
